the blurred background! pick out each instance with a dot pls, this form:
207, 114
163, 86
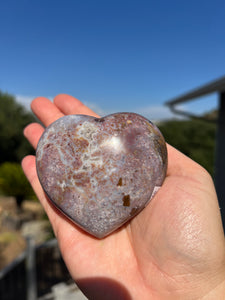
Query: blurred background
114, 56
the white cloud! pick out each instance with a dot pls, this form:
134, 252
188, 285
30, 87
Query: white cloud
151, 112
158, 112
24, 100
97, 109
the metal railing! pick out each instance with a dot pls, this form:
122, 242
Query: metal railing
34, 272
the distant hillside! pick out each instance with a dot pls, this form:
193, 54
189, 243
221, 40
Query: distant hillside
212, 115
195, 138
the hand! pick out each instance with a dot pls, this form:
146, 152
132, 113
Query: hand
174, 249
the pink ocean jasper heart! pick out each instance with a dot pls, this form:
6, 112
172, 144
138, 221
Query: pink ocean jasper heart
101, 172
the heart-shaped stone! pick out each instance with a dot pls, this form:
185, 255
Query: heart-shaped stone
101, 172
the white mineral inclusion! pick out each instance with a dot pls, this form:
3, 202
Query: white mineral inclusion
88, 131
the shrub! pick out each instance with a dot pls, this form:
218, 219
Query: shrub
195, 138
14, 183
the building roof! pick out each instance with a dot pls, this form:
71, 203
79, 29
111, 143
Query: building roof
213, 86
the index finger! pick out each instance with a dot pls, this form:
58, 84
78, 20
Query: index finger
70, 105
48, 112
45, 110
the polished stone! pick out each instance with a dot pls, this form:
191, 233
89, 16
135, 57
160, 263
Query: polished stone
101, 172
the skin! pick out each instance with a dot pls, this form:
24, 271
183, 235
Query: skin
174, 249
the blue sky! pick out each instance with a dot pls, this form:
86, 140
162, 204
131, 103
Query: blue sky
112, 55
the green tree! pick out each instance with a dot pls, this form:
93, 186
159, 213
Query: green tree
195, 138
13, 118
14, 183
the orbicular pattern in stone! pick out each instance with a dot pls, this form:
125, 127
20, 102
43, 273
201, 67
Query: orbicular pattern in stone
101, 172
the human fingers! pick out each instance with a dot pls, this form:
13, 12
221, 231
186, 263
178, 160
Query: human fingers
33, 132
45, 110
29, 168
70, 105
182, 166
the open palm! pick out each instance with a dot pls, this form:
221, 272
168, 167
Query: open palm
174, 249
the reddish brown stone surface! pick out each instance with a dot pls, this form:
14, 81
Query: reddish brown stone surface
101, 172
